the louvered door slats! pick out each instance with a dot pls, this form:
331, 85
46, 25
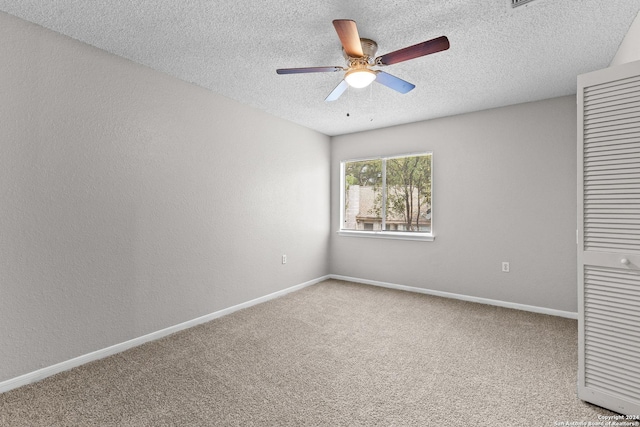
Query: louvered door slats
604, 206
611, 124
604, 317
605, 116
613, 85
606, 148
601, 312
620, 94
614, 234
609, 382
598, 105
606, 152
613, 160
611, 370
619, 337
620, 177
612, 330
611, 189
614, 219
623, 279
609, 238
614, 358
610, 142
622, 101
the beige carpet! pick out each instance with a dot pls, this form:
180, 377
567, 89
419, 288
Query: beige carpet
333, 354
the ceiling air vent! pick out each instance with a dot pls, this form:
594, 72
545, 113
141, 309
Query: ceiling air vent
516, 3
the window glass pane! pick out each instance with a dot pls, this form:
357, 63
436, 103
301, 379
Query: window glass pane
362, 195
403, 182
409, 193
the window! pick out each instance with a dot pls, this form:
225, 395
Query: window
387, 197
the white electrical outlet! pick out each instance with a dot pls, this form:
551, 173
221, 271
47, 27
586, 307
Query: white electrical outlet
284, 259
505, 267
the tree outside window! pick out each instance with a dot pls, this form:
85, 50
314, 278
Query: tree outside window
388, 194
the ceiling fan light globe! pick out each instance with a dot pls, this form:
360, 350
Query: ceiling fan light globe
360, 78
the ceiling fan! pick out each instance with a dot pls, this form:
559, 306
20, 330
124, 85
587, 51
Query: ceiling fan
360, 55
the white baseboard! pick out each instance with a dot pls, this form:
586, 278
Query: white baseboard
118, 348
524, 307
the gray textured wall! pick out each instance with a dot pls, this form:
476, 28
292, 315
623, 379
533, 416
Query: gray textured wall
131, 201
504, 189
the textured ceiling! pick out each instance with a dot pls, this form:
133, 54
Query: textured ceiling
498, 56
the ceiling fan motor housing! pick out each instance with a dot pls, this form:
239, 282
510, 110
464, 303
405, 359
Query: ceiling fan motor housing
369, 49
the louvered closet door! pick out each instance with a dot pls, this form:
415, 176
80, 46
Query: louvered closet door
609, 238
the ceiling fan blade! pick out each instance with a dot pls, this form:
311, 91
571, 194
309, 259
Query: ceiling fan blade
393, 82
348, 33
308, 70
421, 49
339, 90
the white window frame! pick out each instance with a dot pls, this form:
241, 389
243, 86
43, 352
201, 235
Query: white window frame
385, 234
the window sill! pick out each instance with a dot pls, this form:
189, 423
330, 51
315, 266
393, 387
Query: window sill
422, 237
